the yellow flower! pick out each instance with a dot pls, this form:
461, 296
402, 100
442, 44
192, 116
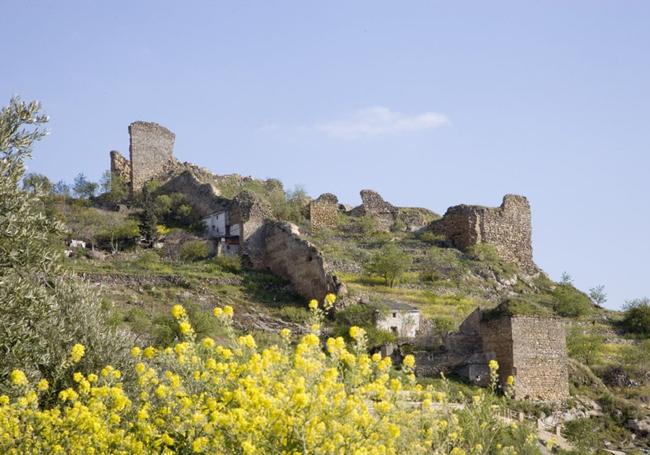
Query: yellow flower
313, 304
285, 333
136, 351
77, 352
218, 312
18, 378
199, 444
330, 299
184, 327
493, 365
356, 333
77, 377
510, 380
149, 352
42, 385
409, 361
315, 327
208, 343
178, 311
228, 311
457, 451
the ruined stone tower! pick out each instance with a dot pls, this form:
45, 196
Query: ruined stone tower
507, 227
150, 152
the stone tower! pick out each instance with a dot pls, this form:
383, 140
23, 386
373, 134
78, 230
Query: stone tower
150, 149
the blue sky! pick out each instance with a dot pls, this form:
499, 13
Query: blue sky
430, 103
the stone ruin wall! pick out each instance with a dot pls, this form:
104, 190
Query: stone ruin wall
533, 350
507, 227
324, 212
540, 358
373, 205
151, 147
120, 167
278, 248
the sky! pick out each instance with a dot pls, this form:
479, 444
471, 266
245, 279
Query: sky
430, 103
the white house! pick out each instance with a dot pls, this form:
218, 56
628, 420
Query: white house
401, 319
218, 227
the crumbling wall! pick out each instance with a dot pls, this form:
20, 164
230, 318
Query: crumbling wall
507, 227
375, 206
151, 147
278, 248
324, 212
120, 167
203, 197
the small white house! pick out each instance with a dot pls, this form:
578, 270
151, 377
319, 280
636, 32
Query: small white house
226, 235
399, 318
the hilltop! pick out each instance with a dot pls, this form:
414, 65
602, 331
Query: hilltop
167, 232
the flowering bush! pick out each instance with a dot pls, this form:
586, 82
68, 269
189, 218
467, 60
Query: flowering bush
203, 397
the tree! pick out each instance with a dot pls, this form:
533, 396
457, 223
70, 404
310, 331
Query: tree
566, 278
390, 263
597, 294
61, 188
45, 310
148, 219
114, 187
37, 183
636, 317
84, 188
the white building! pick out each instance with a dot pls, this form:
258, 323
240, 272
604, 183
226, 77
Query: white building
399, 318
219, 228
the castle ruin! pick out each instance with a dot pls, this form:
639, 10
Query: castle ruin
507, 227
324, 212
151, 154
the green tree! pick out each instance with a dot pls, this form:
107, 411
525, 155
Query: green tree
390, 263
636, 318
583, 346
113, 187
37, 183
84, 188
45, 310
148, 218
61, 188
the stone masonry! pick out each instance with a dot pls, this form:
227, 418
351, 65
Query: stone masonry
324, 211
150, 149
533, 350
507, 227
375, 206
120, 167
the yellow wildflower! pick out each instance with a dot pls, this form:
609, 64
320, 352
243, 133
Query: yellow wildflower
178, 312
493, 365
77, 352
42, 385
136, 351
409, 361
18, 378
313, 304
228, 311
218, 312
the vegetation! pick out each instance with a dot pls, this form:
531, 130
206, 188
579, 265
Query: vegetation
390, 263
234, 398
636, 318
363, 316
44, 311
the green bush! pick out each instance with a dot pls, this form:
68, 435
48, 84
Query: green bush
569, 302
636, 318
194, 250
230, 264
295, 314
390, 263
584, 347
363, 316
442, 263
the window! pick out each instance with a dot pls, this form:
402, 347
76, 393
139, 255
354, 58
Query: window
394, 315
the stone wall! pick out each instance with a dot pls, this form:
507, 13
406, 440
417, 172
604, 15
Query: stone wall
533, 350
203, 197
507, 227
151, 147
120, 167
372, 204
324, 212
278, 248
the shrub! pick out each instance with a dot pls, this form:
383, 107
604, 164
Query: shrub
194, 250
636, 318
230, 264
364, 316
441, 263
570, 302
584, 347
390, 263
204, 397
294, 314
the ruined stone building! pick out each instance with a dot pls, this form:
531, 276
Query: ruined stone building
399, 318
324, 212
532, 349
507, 227
150, 155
